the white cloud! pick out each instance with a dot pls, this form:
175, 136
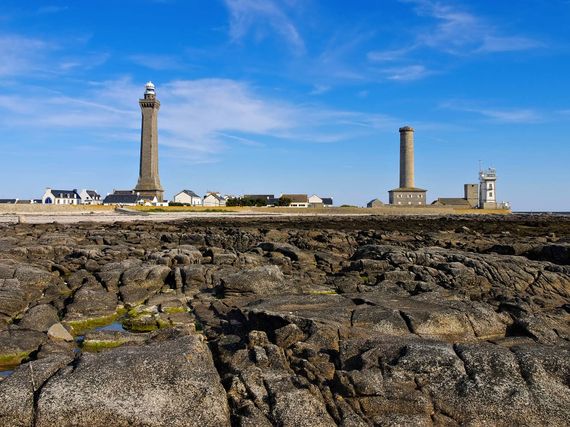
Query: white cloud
507, 44
406, 73
453, 31
21, 54
198, 118
319, 89
388, 55
499, 115
459, 32
24, 56
251, 15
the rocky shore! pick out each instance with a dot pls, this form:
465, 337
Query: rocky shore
298, 321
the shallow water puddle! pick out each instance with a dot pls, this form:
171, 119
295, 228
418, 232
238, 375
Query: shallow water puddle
115, 326
4, 374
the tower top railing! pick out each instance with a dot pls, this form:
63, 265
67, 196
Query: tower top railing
489, 173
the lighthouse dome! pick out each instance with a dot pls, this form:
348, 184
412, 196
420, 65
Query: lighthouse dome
149, 88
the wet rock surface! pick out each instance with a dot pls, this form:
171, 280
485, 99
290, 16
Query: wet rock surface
307, 321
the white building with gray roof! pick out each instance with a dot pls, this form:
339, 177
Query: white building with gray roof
188, 197
61, 197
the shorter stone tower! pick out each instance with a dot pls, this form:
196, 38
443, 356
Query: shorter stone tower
406, 157
471, 192
487, 189
407, 194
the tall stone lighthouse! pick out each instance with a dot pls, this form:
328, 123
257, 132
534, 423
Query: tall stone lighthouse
149, 182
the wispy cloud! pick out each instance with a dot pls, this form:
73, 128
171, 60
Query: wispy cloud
21, 54
25, 56
507, 44
257, 16
198, 118
319, 89
499, 115
450, 30
459, 32
388, 55
406, 73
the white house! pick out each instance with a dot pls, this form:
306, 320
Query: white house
188, 197
61, 197
214, 199
315, 201
90, 197
320, 202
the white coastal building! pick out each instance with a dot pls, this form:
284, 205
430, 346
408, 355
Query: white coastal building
61, 197
188, 197
488, 189
320, 202
90, 197
213, 199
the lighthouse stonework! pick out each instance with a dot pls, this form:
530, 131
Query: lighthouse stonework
148, 184
407, 194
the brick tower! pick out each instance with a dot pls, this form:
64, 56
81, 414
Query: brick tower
149, 181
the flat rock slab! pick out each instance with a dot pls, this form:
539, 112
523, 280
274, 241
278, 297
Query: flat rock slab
170, 383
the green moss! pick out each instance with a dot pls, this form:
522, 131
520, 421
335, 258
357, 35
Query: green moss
139, 311
198, 325
142, 322
10, 360
173, 310
81, 325
331, 292
364, 278
162, 324
98, 345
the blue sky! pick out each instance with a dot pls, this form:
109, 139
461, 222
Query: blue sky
271, 96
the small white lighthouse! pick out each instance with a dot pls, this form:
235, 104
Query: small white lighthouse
487, 189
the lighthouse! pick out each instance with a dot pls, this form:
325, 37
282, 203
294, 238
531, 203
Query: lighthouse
148, 184
488, 189
407, 194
